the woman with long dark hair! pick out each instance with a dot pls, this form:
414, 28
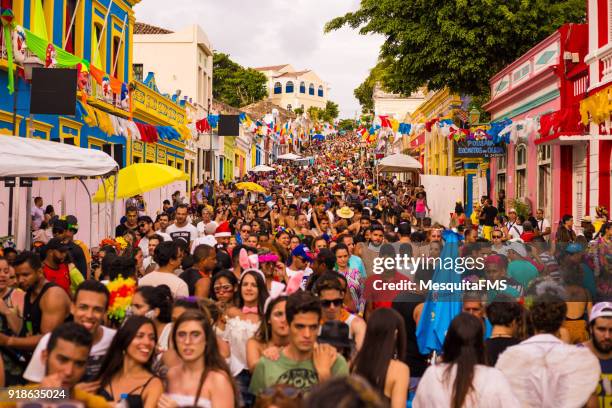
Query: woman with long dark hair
463, 380
155, 302
129, 371
202, 378
380, 358
272, 335
242, 322
565, 233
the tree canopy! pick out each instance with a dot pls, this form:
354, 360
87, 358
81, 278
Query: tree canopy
235, 85
457, 44
328, 114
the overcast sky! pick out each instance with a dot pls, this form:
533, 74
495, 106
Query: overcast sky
274, 32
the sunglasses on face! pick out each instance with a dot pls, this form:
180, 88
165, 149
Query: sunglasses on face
496, 236
335, 302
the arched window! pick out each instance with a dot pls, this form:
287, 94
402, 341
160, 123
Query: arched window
278, 88
311, 89
320, 93
302, 87
289, 87
520, 158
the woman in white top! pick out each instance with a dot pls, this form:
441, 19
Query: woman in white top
477, 385
202, 378
242, 323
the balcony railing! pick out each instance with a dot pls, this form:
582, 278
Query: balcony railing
606, 60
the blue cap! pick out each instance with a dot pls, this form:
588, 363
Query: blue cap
303, 251
574, 248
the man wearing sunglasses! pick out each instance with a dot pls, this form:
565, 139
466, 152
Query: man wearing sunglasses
145, 225
329, 290
301, 257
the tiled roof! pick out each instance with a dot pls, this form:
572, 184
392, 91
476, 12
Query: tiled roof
224, 108
292, 74
259, 109
270, 68
143, 28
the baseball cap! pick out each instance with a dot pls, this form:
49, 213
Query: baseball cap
72, 221
518, 248
573, 248
601, 309
303, 252
56, 244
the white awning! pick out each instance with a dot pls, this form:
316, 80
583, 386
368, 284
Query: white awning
32, 158
289, 156
397, 163
262, 168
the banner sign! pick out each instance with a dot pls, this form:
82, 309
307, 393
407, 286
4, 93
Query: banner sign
478, 148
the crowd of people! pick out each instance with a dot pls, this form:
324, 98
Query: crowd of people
228, 298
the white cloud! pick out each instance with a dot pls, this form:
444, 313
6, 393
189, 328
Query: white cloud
270, 32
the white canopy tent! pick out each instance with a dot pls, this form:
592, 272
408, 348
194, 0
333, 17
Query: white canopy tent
289, 156
25, 157
33, 158
262, 168
398, 163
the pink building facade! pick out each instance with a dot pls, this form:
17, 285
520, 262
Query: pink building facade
538, 169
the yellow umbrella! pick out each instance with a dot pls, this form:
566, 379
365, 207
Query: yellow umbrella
137, 179
250, 186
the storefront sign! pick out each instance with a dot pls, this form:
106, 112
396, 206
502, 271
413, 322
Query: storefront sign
478, 148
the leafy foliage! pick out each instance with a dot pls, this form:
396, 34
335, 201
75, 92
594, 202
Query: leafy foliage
235, 85
346, 124
458, 44
328, 114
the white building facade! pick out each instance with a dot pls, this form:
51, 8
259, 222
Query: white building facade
291, 89
183, 62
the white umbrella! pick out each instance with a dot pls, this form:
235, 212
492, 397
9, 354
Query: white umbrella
398, 163
262, 168
289, 156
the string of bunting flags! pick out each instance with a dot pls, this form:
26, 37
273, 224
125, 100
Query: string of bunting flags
384, 130
289, 132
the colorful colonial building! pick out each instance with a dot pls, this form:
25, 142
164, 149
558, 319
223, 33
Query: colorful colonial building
546, 162
99, 34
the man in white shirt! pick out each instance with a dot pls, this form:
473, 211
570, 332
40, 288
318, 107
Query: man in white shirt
543, 224
207, 226
543, 371
181, 227
145, 224
88, 310
38, 214
168, 258
515, 229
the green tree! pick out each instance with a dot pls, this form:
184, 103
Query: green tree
314, 113
457, 44
346, 124
235, 85
299, 111
331, 111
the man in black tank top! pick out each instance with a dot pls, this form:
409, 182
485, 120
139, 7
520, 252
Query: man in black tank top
46, 305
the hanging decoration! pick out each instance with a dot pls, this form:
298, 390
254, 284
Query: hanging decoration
7, 22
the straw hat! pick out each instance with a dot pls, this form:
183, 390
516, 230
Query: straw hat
345, 212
